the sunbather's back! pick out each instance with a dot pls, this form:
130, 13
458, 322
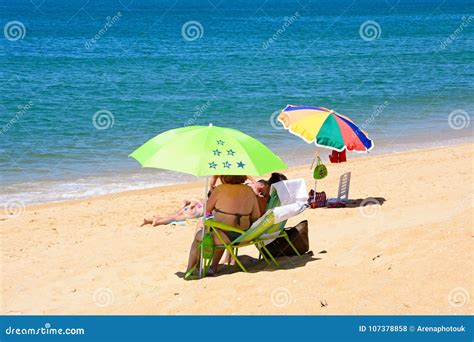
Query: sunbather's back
234, 204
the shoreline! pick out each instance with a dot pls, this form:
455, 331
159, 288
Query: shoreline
351, 158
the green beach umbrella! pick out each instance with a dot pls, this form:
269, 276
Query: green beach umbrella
208, 151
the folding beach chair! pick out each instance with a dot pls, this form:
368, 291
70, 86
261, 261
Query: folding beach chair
343, 191
287, 199
287, 195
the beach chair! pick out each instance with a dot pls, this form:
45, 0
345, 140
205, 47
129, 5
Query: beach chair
342, 193
287, 199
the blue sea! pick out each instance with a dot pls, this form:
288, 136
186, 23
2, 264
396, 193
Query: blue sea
84, 83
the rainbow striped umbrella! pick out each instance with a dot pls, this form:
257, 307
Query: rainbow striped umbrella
325, 128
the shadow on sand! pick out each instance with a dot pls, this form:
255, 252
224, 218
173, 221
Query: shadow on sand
254, 265
361, 202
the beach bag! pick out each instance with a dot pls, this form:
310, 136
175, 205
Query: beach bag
320, 171
298, 236
316, 200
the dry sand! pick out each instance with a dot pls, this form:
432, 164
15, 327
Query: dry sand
413, 254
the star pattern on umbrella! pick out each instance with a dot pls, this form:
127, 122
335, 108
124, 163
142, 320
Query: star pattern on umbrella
220, 142
226, 164
230, 152
216, 152
212, 165
240, 164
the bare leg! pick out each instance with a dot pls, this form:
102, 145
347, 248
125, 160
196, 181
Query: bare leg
145, 222
228, 258
193, 253
158, 221
219, 252
167, 220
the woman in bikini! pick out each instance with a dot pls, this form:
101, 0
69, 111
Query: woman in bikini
190, 209
232, 203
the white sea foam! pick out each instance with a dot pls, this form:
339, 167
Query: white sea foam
62, 190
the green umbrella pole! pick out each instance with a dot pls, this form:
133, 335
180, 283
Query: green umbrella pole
206, 187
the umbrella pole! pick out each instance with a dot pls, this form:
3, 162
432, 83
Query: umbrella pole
315, 180
206, 187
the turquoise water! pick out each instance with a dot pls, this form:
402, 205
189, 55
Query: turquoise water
129, 62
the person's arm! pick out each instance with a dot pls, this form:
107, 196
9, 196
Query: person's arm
255, 210
211, 202
262, 204
213, 181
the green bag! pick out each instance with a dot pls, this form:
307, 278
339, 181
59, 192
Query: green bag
207, 249
207, 246
320, 171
